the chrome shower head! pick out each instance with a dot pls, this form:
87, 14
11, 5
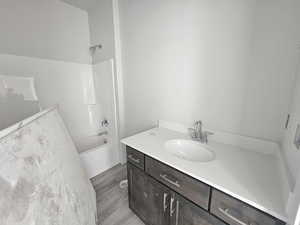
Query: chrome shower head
94, 48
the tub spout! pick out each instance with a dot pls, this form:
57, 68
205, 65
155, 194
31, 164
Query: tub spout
102, 133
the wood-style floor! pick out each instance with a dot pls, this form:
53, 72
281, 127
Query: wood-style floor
112, 201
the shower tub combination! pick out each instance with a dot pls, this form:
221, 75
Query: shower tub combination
99, 149
98, 154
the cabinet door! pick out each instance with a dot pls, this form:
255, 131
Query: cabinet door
148, 198
137, 191
158, 203
184, 212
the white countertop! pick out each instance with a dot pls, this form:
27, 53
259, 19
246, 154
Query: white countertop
247, 175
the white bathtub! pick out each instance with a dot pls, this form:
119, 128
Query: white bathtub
98, 159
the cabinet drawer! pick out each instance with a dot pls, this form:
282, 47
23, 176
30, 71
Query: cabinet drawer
192, 189
135, 157
235, 212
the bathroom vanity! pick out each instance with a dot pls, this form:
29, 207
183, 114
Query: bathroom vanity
234, 188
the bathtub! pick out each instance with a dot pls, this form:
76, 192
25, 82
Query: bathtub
99, 158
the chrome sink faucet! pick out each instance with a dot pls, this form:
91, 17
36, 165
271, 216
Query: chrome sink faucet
197, 133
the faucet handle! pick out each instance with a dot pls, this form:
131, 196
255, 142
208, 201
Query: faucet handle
198, 123
205, 135
104, 123
192, 133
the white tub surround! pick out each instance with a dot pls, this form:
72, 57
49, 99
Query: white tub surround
250, 176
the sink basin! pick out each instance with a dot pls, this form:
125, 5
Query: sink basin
190, 150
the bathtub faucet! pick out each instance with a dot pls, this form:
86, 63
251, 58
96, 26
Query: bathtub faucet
104, 123
102, 133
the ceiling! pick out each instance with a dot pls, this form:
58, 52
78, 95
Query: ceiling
82, 4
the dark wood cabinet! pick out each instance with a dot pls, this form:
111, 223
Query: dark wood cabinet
162, 195
137, 190
158, 203
187, 213
135, 157
148, 198
187, 186
235, 212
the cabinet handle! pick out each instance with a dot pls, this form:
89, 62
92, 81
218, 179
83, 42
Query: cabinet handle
133, 159
165, 202
131, 178
227, 213
165, 177
177, 212
171, 207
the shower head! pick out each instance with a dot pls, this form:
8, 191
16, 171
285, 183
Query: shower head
94, 48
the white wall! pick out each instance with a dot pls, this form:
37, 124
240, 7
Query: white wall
44, 29
291, 153
209, 60
102, 29
293, 206
274, 55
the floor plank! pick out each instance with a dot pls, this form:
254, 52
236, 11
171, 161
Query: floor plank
112, 201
